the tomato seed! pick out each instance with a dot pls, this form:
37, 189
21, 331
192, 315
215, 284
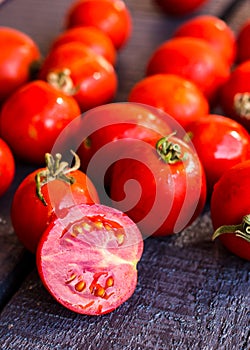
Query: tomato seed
109, 282
80, 286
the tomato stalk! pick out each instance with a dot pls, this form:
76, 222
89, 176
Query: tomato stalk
241, 230
55, 170
168, 151
242, 104
62, 80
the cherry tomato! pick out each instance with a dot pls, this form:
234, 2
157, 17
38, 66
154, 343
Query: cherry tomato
78, 71
243, 49
48, 191
193, 59
7, 167
93, 37
230, 208
175, 95
18, 54
33, 117
161, 188
87, 260
110, 16
220, 143
215, 31
179, 7
235, 95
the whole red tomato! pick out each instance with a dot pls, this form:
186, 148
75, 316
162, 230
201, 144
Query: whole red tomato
92, 255
179, 7
220, 143
48, 191
92, 37
235, 95
195, 60
215, 31
175, 95
33, 117
230, 209
243, 48
17, 56
161, 188
110, 16
78, 71
7, 167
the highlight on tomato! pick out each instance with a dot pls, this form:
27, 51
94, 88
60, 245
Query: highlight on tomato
46, 191
88, 259
7, 167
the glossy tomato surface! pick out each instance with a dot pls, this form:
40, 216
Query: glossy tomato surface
162, 188
33, 117
7, 167
229, 204
78, 71
220, 143
179, 7
110, 16
175, 95
243, 48
18, 53
31, 213
88, 260
215, 31
193, 59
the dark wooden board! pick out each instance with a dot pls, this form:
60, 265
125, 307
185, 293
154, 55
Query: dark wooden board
191, 293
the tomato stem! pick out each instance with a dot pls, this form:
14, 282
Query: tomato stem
55, 170
241, 230
242, 104
62, 80
168, 151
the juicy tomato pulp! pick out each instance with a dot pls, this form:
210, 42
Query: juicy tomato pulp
87, 260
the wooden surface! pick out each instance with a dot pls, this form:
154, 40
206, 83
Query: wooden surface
191, 293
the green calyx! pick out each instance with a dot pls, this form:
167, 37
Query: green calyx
169, 152
241, 230
55, 170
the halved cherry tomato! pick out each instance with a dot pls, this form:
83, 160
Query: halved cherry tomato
18, 54
111, 16
193, 59
175, 95
243, 48
88, 259
7, 167
179, 7
230, 209
48, 191
215, 31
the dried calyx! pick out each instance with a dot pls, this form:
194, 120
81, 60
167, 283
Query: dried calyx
241, 230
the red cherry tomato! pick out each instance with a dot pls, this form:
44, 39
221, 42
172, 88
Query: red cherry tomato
220, 143
215, 31
230, 209
80, 72
179, 7
92, 37
243, 48
177, 96
18, 53
161, 188
193, 59
87, 260
110, 16
33, 117
7, 167
48, 191
235, 95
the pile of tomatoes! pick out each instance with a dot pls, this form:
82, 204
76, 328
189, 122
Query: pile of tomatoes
121, 172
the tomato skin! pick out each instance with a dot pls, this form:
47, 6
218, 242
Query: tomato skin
7, 167
193, 59
179, 7
94, 80
162, 198
234, 95
33, 117
110, 16
18, 53
30, 216
177, 96
95, 269
229, 204
243, 49
215, 31
90, 36
220, 143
